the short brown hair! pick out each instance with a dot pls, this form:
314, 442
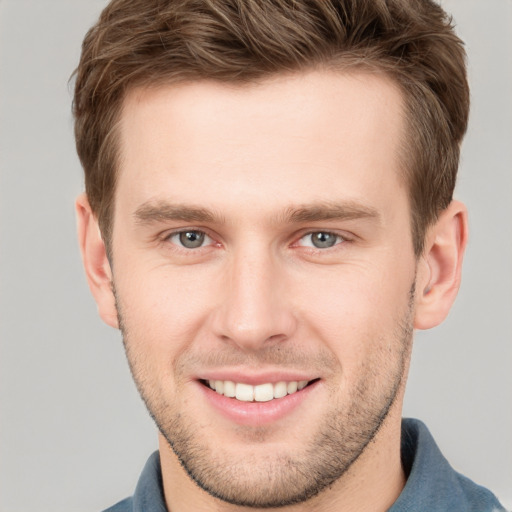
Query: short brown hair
150, 42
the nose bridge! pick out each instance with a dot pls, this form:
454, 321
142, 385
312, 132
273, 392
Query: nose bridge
255, 309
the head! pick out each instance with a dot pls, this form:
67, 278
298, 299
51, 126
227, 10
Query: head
147, 43
272, 184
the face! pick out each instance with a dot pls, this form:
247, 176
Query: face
264, 274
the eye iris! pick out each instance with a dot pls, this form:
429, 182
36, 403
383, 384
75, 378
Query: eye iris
191, 239
323, 240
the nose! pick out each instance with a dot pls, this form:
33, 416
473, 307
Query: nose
255, 307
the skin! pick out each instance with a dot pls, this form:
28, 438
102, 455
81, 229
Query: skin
258, 169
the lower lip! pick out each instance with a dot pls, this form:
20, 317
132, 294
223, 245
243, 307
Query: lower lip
257, 413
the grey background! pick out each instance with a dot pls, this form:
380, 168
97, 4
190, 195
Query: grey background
73, 434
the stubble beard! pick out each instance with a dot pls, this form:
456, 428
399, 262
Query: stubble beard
274, 480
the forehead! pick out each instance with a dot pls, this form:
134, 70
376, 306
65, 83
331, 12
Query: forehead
290, 139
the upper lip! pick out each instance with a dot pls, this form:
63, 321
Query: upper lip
255, 378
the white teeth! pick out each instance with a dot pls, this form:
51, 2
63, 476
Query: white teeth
244, 392
263, 392
229, 389
260, 393
280, 390
291, 387
219, 386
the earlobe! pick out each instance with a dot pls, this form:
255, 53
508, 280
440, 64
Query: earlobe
440, 266
96, 264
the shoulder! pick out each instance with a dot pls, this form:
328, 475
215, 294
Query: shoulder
148, 495
123, 506
478, 498
432, 484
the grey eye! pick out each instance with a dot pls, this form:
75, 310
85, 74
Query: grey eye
320, 240
190, 239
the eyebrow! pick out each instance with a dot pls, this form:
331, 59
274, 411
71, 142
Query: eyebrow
331, 211
162, 211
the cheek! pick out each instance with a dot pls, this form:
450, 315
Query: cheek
356, 310
162, 312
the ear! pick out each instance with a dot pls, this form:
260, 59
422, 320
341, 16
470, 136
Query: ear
96, 264
440, 266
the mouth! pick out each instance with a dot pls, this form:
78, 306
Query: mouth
265, 392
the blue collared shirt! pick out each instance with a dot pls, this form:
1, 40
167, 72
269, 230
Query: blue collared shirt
432, 484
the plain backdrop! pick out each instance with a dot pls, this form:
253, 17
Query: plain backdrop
74, 434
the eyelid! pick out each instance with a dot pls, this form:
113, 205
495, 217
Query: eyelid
168, 235
340, 239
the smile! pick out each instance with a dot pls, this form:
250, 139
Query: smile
260, 393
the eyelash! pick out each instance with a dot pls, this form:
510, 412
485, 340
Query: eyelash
169, 236
340, 240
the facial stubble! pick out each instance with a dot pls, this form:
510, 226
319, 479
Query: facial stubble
271, 479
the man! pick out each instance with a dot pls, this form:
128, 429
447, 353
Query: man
268, 216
